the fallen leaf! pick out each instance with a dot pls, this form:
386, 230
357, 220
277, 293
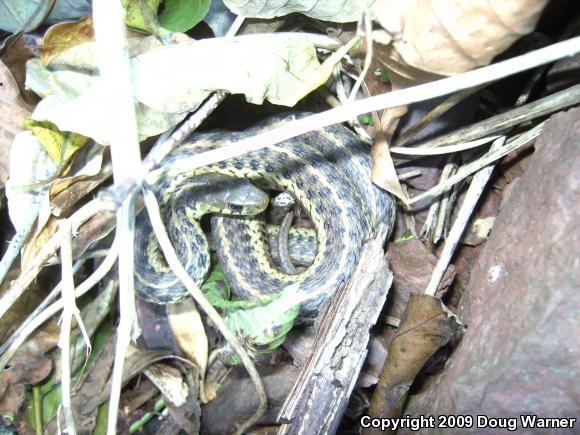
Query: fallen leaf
13, 111
22, 16
189, 332
60, 145
142, 15
45, 229
21, 308
15, 58
91, 384
425, 327
327, 10
30, 166
173, 80
74, 97
63, 36
383, 171
28, 367
478, 231
448, 37
280, 68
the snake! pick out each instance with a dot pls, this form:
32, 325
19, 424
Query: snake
327, 171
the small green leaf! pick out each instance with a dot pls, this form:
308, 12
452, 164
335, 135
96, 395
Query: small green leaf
383, 74
407, 235
182, 15
218, 294
367, 120
262, 329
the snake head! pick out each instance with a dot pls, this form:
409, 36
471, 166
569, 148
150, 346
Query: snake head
225, 194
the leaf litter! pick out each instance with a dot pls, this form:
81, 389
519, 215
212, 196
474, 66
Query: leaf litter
172, 75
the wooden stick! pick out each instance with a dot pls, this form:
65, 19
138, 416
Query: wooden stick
320, 395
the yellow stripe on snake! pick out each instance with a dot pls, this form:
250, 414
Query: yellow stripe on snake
328, 173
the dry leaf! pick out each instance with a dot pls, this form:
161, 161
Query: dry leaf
478, 231
281, 68
13, 111
15, 59
28, 367
63, 36
91, 384
21, 308
30, 166
189, 332
173, 80
452, 36
328, 10
425, 327
383, 171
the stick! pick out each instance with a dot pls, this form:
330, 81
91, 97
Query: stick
470, 168
471, 197
541, 107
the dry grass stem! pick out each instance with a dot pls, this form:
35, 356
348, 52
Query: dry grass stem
485, 160
471, 197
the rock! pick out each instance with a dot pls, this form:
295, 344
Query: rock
521, 352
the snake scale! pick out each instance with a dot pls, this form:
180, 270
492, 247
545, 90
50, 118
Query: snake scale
328, 173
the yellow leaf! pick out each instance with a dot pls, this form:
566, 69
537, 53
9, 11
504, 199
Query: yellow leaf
59, 145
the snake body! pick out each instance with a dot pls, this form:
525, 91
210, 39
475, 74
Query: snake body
327, 171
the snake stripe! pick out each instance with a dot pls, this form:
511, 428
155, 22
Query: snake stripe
327, 172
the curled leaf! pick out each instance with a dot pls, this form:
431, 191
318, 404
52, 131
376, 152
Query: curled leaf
449, 36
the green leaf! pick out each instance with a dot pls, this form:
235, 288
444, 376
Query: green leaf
407, 235
182, 15
102, 419
262, 329
142, 14
367, 120
218, 293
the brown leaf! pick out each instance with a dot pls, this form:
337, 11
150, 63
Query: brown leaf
448, 36
15, 59
426, 326
90, 385
21, 308
63, 36
383, 171
35, 243
13, 110
28, 367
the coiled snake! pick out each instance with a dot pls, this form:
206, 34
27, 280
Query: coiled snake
327, 171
